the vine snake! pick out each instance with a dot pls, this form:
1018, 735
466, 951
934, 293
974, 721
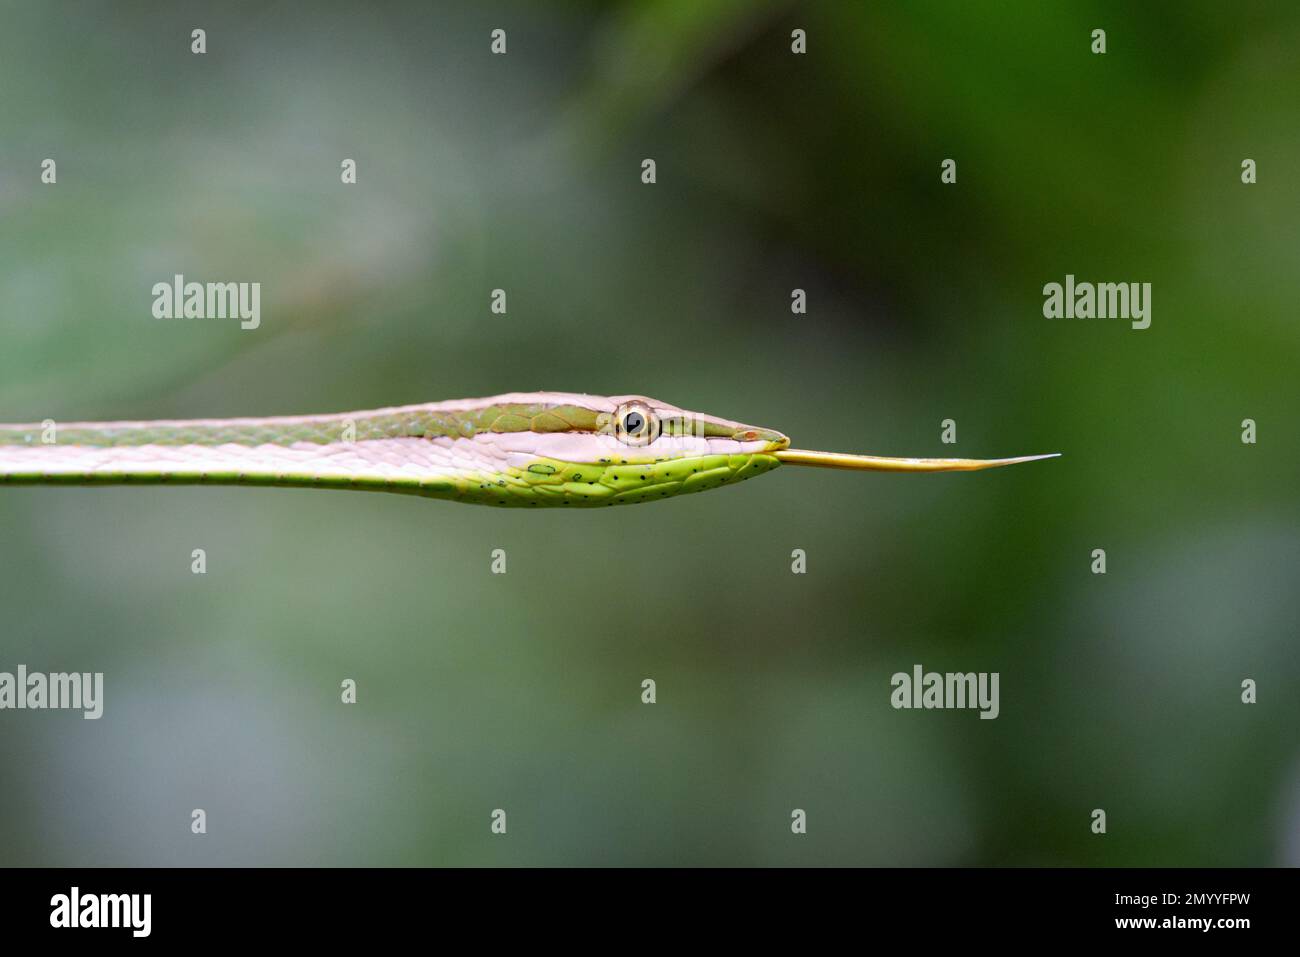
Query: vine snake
529, 449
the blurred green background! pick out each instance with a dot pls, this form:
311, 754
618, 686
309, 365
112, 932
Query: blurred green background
775, 172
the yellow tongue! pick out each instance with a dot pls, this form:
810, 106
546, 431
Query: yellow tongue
880, 463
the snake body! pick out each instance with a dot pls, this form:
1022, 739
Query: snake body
519, 449
525, 449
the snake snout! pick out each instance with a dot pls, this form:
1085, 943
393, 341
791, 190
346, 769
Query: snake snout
774, 439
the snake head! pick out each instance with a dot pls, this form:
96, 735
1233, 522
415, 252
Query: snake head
639, 422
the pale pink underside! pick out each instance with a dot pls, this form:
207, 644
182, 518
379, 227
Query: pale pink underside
486, 453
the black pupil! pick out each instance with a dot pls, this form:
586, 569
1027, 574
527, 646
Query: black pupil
633, 422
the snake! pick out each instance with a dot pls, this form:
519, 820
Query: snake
520, 449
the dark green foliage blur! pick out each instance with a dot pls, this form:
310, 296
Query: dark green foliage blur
775, 172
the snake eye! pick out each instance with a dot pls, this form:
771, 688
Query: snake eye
636, 425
